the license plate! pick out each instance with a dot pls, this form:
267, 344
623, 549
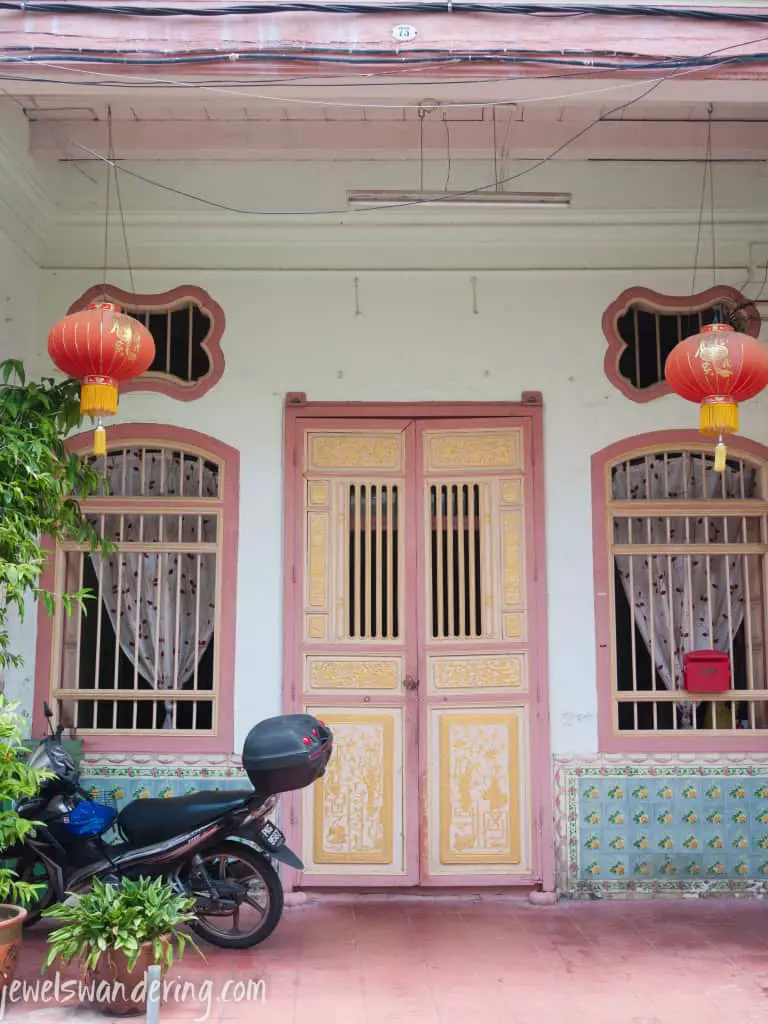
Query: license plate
270, 836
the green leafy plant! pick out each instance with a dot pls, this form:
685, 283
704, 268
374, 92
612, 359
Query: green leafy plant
40, 484
121, 919
17, 780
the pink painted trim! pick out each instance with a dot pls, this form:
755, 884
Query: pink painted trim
301, 415
656, 302
163, 383
223, 741
610, 740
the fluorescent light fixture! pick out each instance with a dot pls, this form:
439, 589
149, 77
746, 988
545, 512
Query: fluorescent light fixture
375, 198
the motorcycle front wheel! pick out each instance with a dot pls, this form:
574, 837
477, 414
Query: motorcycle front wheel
33, 870
245, 877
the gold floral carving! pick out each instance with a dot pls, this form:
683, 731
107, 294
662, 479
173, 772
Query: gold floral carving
317, 492
317, 627
514, 626
374, 450
353, 801
354, 674
512, 534
474, 449
479, 789
317, 557
479, 672
512, 492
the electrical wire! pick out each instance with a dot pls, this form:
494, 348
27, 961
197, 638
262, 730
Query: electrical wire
455, 7
224, 207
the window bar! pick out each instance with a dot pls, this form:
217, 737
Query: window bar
79, 642
659, 364
673, 646
190, 326
118, 608
357, 541
748, 638
379, 624
461, 493
368, 624
472, 575
727, 559
180, 488
100, 600
195, 678
450, 533
159, 603
124, 474
636, 331
168, 336
632, 622
177, 629
391, 492
441, 626
143, 472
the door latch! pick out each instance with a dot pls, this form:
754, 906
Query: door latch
409, 683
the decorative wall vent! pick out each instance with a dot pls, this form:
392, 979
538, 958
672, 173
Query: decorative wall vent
186, 325
642, 327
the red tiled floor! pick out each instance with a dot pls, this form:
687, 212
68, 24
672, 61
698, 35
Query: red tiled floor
450, 961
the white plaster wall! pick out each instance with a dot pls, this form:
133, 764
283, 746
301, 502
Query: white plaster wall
416, 338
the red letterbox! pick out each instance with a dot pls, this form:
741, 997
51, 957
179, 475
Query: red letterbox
706, 672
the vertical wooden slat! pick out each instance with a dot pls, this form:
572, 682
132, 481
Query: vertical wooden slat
450, 534
368, 625
118, 607
190, 312
358, 549
389, 525
636, 329
659, 363
168, 316
460, 492
472, 575
195, 676
159, 603
99, 612
727, 560
440, 490
380, 596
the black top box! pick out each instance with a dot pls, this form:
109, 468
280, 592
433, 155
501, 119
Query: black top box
287, 752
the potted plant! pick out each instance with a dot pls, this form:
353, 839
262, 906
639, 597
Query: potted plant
17, 781
40, 483
117, 932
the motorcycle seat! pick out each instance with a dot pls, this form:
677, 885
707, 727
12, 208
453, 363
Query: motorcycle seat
144, 822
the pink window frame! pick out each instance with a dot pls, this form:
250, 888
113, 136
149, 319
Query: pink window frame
162, 302
223, 741
656, 302
610, 741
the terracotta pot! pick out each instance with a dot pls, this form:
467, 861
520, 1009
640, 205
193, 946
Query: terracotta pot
11, 920
112, 971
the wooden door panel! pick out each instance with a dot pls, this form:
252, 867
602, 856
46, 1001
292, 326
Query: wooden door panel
475, 657
359, 822
354, 814
478, 806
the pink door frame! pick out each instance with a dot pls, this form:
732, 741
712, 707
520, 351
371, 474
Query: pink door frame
530, 408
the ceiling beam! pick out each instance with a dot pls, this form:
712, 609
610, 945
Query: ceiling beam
392, 140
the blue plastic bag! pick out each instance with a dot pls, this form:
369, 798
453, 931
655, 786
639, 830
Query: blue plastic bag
89, 819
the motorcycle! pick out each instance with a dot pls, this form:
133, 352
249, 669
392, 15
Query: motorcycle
217, 847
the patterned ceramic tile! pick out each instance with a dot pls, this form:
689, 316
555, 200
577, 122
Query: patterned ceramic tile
662, 825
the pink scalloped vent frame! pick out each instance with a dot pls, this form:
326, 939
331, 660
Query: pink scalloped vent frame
656, 302
164, 302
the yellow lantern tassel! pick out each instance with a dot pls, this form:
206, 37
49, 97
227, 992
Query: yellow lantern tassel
719, 416
720, 456
100, 440
98, 396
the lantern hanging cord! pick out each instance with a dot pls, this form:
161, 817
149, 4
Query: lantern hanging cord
709, 162
110, 164
113, 163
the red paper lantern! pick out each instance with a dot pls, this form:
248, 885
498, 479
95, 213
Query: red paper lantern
718, 368
100, 346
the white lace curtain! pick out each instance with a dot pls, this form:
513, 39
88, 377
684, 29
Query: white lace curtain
166, 600
681, 603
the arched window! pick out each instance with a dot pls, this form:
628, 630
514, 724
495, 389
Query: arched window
680, 566
152, 655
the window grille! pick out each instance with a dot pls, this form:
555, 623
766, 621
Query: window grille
688, 554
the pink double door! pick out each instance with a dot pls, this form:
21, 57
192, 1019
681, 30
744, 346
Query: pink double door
415, 607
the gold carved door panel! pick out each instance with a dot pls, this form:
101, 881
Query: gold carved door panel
413, 640
474, 708
358, 822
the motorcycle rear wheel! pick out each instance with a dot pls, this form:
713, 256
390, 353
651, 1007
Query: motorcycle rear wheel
238, 863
